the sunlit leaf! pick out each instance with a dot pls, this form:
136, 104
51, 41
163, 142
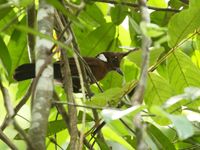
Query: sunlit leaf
112, 114
182, 125
136, 57
98, 40
161, 140
118, 13
182, 72
184, 23
18, 49
190, 93
5, 56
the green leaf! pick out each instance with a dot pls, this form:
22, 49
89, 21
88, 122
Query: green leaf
111, 135
196, 57
112, 80
136, 57
102, 145
182, 125
113, 114
110, 96
17, 47
161, 116
130, 70
160, 139
190, 93
182, 72
155, 93
5, 56
6, 10
153, 30
55, 127
98, 40
118, 13
92, 16
66, 12
184, 23
134, 25
157, 3
118, 127
161, 18
6, 25
198, 41
22, 3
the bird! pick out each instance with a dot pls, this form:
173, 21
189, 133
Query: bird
99, 65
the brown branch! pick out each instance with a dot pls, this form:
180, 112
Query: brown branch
136, 5
137, 98
77, 105
68, 88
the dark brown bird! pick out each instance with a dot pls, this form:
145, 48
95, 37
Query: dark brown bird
99, 65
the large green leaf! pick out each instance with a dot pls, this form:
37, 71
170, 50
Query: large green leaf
130, 70
158, 90
182, 72
184, 23
118, 13
4, 11
110, 96
98, 40
66, 12
136, 57
92, 16
17, 47
190, 94
161, 140
5, 56
6, 24
182, 125
112, 79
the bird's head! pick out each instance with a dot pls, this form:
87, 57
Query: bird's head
113, 59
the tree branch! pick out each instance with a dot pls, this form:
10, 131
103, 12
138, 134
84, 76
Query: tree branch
136, 5
68, 87
137, 98
44, 88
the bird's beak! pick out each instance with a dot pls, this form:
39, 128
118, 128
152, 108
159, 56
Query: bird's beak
119, 71
130, 51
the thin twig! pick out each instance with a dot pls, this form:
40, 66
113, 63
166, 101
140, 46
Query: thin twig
10, 112
77, 105
136, 5
18, 107
7, 141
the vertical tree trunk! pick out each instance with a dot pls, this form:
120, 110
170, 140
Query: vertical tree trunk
44, 89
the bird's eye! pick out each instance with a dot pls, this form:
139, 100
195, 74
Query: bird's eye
115, 60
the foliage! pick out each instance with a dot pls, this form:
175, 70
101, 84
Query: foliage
171, 102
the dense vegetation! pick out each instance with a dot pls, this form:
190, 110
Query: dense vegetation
170, 106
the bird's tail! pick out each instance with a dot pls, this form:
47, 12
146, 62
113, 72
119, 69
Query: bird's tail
24, 72
27, 71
